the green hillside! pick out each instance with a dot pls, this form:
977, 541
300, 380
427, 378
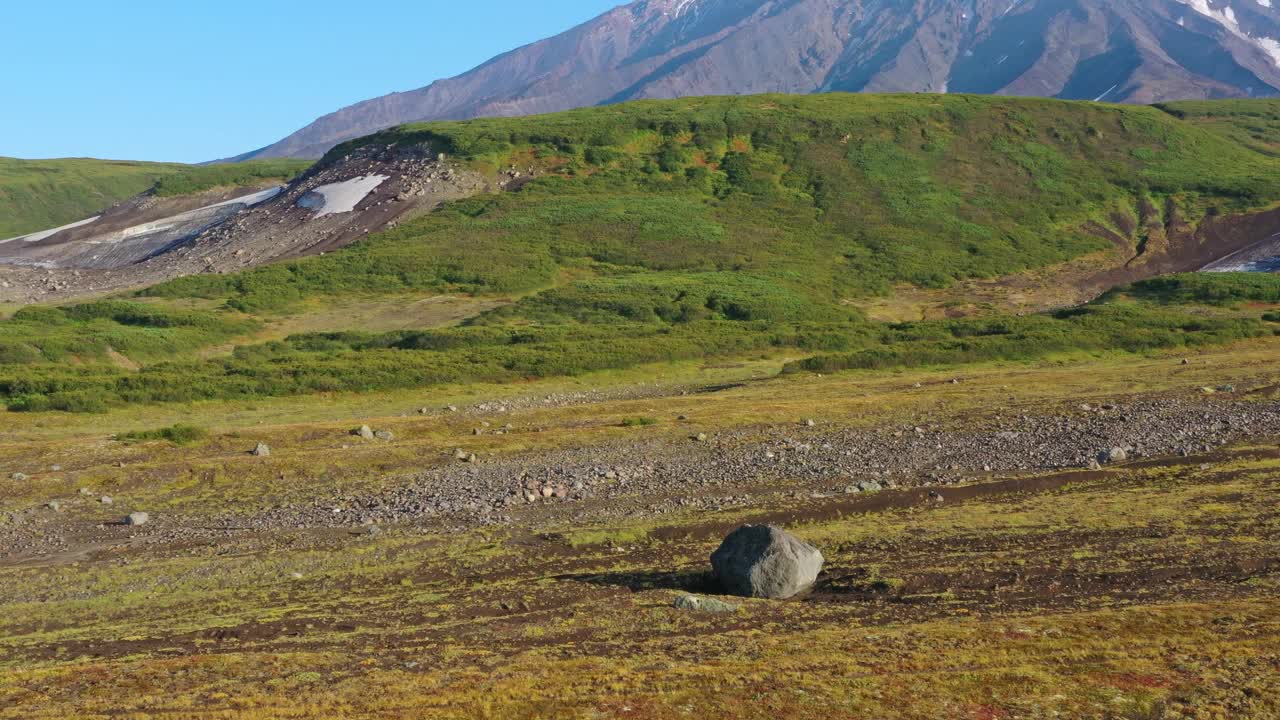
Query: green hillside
1252, 123
41, 194
686, 229
820, 197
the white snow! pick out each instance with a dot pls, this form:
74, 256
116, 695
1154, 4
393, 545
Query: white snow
1108, 92
340, 197
250, 200
1226, 17
37, 237
173, 221
1265, 3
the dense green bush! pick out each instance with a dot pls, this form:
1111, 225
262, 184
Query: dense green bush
1209, 288
1107, 327
179, 434
90, 331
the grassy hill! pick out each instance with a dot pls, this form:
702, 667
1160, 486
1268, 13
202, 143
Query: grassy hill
821, 197
41, 194
686, 229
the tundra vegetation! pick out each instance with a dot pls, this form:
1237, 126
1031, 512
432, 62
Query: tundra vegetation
683, 285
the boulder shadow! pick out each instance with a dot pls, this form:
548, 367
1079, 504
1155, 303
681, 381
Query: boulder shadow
702, 582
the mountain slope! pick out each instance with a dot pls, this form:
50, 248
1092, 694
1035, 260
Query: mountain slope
40, 194
1139, 51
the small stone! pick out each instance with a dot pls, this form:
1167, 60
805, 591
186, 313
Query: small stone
701, 437
547, 491
262, 450
703, 604
384, 435
809, 422
106, 500
364, 431
137, 518
452, 408
20, 477
55, 468
54, 505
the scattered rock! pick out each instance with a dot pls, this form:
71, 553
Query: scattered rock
701, 437
54, 505
765, 561
262, 450
137, 518
106, 500
20, 477
1114, 455
704, 604
384, 435
364, 431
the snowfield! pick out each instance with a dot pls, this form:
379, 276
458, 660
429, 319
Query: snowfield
340, 197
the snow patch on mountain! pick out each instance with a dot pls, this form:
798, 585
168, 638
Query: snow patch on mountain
1227, 18
341, 197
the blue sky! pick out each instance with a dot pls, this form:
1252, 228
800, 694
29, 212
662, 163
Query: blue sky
195, 80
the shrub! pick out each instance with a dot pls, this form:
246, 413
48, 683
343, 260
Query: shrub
177, 434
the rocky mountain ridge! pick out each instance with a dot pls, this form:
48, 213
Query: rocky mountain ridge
1132, 51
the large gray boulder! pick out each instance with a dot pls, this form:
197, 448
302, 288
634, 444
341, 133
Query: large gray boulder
764, 561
